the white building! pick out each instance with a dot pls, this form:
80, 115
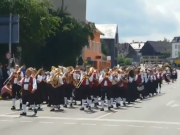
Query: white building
77, 8
175, 47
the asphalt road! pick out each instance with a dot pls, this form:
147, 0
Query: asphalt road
155, 116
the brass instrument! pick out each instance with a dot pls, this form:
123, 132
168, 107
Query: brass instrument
86, 76
16, 74
55, 81
165, 66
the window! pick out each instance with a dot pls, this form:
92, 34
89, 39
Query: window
97, 47
93, 46
89, 47
175, 46
176, 53
179, 47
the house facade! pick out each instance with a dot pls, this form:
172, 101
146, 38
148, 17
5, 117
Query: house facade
111, 40
155, 52
92, 54
175, 47
77, 8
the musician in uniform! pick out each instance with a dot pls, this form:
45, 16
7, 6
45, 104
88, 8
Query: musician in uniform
106, 83
56, 83
140, 86
68, 86
15, 77
145, 83
152, 84
28, 85
159, 79
114, 88
174, 75
86, 91
96, 88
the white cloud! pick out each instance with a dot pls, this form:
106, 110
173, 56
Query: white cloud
138, 20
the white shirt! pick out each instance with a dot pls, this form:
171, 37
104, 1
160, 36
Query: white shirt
26, 83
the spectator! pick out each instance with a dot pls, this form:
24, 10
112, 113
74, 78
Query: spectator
6, 91
1, 76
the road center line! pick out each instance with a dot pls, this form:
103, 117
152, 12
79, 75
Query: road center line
6, 120
94, 119
88, 124
160, 127
111, 125
103, 115
26, 121
46, 122
134, 126
170, 102
69, 123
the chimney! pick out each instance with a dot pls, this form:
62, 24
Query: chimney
139, 45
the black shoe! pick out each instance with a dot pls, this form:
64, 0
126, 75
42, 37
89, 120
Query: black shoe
30, 108
71, 105
52, 110
13, 108
102, 109
82, 108
35, 111
23, 114
89, 108
65, 106
109, 108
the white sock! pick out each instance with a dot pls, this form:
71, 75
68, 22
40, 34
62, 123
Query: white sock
65, 100
24, 108
102, 103
112, 99
71, 100
20, 101
96, 100
83, 101
14, 102
109, 103
118, 100
89, 102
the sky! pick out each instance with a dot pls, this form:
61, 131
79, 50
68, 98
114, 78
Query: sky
138, 20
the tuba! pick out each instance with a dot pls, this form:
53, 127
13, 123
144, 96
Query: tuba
55, 81
167, 66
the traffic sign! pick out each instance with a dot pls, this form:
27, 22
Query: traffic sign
8, 55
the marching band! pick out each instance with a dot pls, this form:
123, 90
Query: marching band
66, 85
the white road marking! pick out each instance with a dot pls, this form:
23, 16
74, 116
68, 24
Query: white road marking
46, 122
135, 126
175, 105
111, 125
170, 103
6, 120
43, 106
103, 115
160, 127
94, 119
88, 124
27, 121
69, 123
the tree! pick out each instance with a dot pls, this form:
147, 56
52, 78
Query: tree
127, 61
66, 45
36, 24
166, 54
166, 40
121, 59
